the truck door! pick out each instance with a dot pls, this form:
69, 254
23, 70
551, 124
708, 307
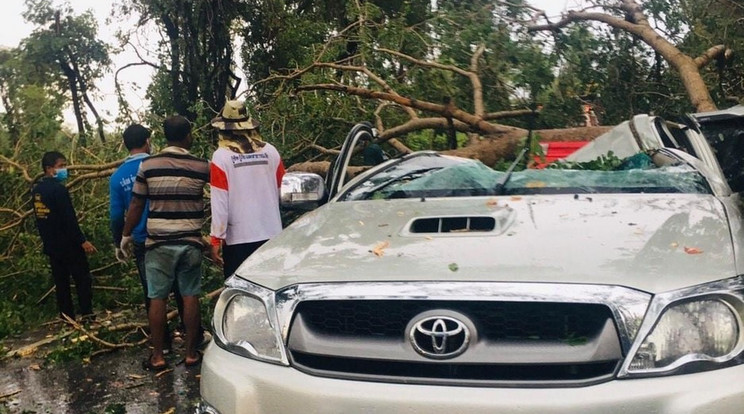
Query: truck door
724, 132
337, 173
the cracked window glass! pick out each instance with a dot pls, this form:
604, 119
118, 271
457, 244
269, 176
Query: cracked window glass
439, 176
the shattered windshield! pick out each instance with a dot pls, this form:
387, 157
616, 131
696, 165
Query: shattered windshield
432, 175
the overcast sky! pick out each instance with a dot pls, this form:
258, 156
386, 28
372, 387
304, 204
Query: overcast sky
14, 28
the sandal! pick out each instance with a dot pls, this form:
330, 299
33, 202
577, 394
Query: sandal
196, 362
147, 365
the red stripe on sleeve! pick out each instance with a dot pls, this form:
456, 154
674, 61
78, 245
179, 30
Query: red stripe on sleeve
217, 177
279, 173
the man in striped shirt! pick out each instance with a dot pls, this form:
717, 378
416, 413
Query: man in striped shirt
173, 182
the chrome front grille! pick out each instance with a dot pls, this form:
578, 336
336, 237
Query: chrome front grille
522, 334
520, 321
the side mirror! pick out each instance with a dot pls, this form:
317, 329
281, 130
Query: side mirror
302, 191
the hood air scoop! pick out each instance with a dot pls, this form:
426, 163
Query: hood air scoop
458, 225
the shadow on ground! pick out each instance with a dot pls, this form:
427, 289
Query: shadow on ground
111, 383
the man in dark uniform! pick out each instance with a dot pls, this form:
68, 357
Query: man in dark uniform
60, 233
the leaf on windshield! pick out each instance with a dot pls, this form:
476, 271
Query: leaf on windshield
535, 184
692, 250
379, 250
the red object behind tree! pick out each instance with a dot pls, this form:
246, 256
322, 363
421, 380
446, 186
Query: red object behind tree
557, 150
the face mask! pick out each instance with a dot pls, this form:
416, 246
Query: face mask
60, 174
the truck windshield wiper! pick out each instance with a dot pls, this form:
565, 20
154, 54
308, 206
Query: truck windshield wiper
499, 189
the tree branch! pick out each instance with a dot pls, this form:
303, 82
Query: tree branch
479, 108
17, 222
399, 146
634, 12
471, 74
100, 341
95, 167
88, 176
324, 150
492, 116
378, 80
24, 171
637, 24
475, 122
11, 211
575, 16
713, 53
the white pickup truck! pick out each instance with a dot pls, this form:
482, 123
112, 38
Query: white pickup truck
432, 284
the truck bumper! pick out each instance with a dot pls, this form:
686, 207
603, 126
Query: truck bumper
231, 384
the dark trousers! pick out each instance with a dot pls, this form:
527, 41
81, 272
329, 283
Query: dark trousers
139, 260
235, 254
73, 263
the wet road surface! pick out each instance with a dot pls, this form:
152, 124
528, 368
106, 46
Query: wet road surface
112, 383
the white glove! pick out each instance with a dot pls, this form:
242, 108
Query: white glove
120, 256
127, 246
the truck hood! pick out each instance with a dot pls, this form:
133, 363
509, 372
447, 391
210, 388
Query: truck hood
651, 242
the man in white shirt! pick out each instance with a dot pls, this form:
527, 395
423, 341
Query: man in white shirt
245, 176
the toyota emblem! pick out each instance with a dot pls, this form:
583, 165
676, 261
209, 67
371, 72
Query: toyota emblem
439, 337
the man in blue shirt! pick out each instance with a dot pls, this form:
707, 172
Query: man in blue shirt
137, 141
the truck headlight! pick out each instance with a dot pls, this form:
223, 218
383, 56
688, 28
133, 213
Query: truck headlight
245, 322
696, 330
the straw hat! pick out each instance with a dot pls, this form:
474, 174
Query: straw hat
234, 117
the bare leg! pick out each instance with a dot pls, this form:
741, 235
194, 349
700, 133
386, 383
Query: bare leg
193, 322
157, 316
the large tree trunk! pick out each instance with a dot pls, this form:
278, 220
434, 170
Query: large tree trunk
72, 81
84, 94
172, 30
489, 150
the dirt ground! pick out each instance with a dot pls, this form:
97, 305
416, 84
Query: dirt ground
110, 383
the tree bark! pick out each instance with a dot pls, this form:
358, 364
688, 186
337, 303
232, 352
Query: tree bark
72, 82
84, 92
489, 150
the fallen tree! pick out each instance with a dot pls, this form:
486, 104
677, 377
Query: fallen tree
488, 150
117, 322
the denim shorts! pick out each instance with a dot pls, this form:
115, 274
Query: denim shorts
167, 264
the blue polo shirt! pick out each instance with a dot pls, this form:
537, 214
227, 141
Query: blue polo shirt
120, 193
